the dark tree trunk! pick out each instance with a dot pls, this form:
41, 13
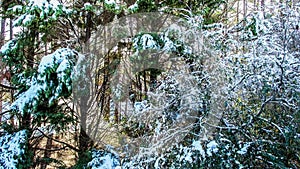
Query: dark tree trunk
153, 78
2, 34
2, 37
11, 28
47, 153
145, 82
85, 143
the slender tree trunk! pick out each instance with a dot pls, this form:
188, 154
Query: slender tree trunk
139, 87
245, 8
11, 28
263, 6
145, 82
237, 19
11, 91
2, 34
244, 16
237, 11
2, 38
89, 26
85, 142
1, 96
47, 154
226, 14
153, 79
105, 87
116, 112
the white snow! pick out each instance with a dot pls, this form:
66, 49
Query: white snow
44, 3
28, 19
87, 6
46, 8
58, 62
134, 7
187, 50
146, 41
140, 106
156, 164
110, 2
28, 98
158, 127
244, 149
19, 20
10, 147
16, 8
188, 157
54, 59
197, 146
10, 45
168, 44
212, 147
5, 107
103, 160
55, 3
63, 66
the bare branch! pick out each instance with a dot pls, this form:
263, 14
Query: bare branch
66, 144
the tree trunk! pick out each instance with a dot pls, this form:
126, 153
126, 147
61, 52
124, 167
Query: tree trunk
263, 6
2, 38
85, 143
26, 118
153, 78
2, 34
145, 82
11, 28
244, 16
116, 112
47, 154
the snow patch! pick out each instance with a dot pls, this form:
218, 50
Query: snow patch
212, 147
134, 7
146, 41
11, 149
197, 146
141, 106
103, 160
244, 149
110, 2
8, 46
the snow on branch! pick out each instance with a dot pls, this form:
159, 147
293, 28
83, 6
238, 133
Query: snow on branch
53, 81
12, 149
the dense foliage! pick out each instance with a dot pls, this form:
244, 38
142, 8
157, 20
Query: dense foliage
229, 98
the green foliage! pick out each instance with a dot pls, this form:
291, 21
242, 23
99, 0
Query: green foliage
112, 6
82, 162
